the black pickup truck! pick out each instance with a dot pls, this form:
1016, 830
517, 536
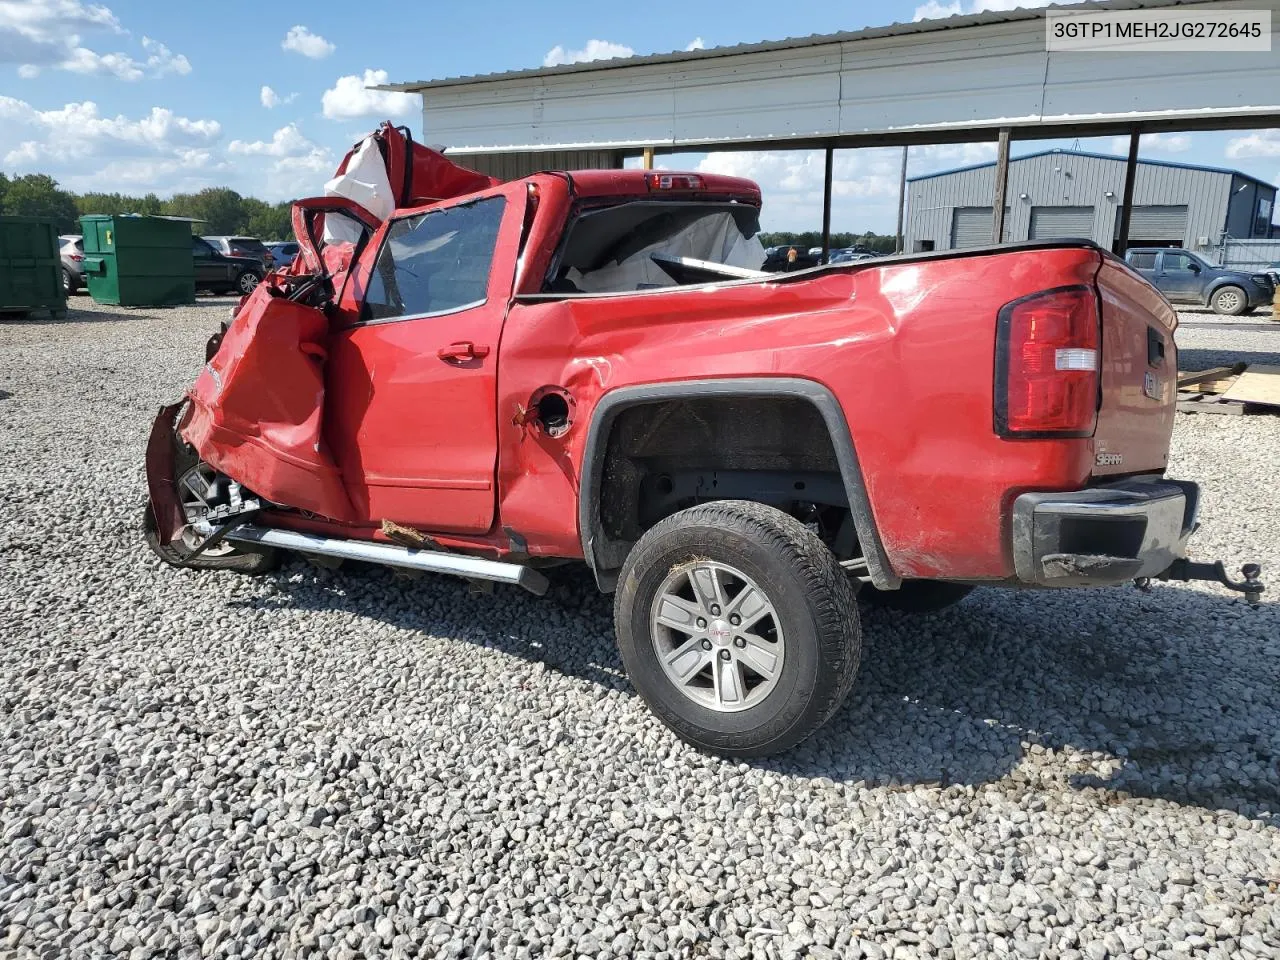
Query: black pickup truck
218, 273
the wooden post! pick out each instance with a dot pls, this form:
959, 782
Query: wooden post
1002, 183
826, 204
648, 158
902, 199
1126, 211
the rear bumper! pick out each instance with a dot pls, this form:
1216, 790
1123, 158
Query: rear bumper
1102, 536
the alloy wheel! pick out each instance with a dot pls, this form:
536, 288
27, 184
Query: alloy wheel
717, 635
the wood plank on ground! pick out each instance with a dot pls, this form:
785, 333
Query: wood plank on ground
1259, 384
1197, 377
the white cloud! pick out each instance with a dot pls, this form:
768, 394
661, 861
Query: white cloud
696, 44
163, 60
594, 50
302, 176
1259, 143
78, 132
934, 9
350, 99
864, 186
39, 34
1155, 143
44, 32
271, 99
288, 141
299, 166
301, 40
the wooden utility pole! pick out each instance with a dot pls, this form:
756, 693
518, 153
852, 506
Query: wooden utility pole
1002, 185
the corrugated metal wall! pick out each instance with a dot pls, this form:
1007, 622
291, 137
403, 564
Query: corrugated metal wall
1070, 180
512, 166
1048, 223
1250, 254
980, 75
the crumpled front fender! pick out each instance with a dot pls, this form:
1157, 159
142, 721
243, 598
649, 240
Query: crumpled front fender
162, 487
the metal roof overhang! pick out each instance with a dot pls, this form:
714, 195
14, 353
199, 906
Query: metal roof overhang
935, 81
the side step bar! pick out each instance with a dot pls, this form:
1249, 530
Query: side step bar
391, 555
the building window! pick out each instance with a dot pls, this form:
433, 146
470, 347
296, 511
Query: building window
1262, 223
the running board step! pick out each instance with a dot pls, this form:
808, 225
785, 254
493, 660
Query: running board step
460, 565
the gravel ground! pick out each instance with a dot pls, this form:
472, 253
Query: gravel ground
353, 764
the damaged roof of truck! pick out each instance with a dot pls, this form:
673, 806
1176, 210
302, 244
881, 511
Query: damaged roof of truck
657, 183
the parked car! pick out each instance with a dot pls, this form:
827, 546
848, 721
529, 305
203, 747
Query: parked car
219, 273
1273, 271
243, 247
1184, 277
735, 463
777, 259
283, 252
71, 249
849, 256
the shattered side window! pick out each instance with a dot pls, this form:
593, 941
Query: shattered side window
435, 262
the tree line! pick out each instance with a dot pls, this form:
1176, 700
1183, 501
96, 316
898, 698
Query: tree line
222, 210
871, 242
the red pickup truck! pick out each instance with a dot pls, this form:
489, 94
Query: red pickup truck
495, 378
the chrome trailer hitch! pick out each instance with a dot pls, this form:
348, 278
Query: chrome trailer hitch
1183, 569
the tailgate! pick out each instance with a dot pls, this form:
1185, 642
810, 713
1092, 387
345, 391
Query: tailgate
1139, 374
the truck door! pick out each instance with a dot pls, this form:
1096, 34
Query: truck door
1179, 276
412, 381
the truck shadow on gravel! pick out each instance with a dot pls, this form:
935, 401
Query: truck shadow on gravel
1207, 359
1168, 695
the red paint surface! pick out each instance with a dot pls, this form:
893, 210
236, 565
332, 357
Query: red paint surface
907, 347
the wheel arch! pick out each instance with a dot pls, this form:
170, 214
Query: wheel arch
819, 397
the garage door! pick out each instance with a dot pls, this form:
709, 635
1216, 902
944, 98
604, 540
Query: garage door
1159, 223
971, 226
1050, 222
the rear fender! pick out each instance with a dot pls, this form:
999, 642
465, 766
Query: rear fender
611, 404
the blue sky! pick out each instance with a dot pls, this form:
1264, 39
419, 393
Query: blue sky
138, 95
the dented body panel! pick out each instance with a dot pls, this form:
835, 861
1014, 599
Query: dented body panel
427, 421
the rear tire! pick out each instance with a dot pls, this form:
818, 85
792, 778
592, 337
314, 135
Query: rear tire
1230, 301
916, 596
751, 686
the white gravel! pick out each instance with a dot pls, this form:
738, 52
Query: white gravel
352, 764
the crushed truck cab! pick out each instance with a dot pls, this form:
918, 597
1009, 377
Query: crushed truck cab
490, 378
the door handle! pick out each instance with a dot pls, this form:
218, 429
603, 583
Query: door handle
463, 351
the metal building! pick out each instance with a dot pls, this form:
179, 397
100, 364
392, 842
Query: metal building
981, 76
1067, 193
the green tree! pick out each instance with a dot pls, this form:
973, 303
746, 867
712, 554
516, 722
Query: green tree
38, 195
271, 221
220, 208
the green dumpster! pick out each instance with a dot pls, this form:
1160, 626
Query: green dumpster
30, 267
138, 261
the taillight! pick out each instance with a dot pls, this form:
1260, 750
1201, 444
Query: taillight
1047, 364
673, 181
